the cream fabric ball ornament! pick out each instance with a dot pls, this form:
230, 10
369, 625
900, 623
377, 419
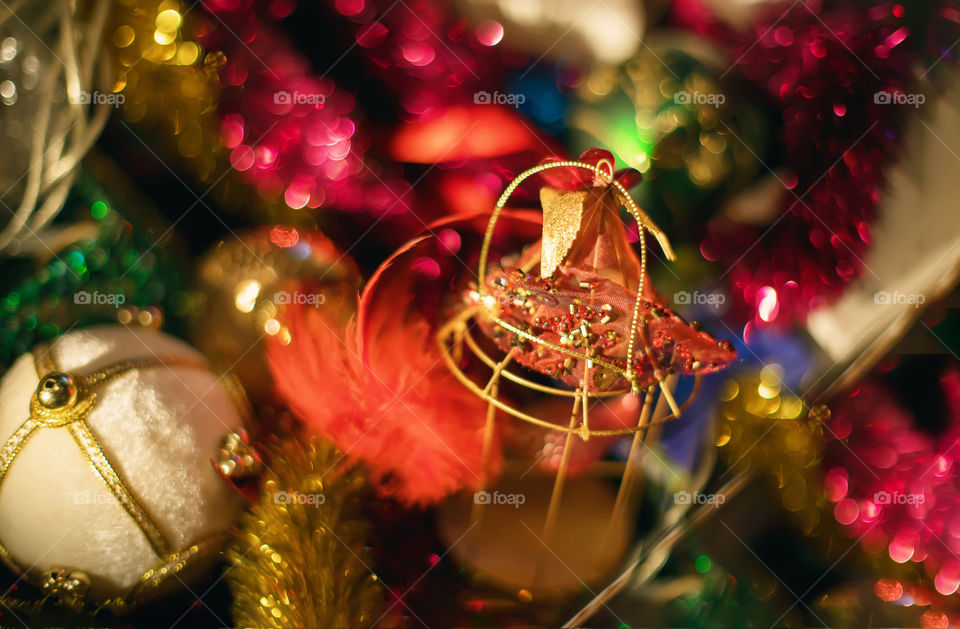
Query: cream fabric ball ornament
107, 491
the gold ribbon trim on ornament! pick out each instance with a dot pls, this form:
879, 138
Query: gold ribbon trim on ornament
64, 400
562, 213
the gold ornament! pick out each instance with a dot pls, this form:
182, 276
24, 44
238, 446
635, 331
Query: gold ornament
300, 558
553, 503
244, 283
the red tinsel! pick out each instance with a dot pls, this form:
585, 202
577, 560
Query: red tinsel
291, 132
896, 487
835, 74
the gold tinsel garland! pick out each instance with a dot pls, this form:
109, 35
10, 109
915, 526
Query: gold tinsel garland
767, 430
300, 559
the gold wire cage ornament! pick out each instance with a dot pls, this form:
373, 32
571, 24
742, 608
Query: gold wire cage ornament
454, 335
456, 332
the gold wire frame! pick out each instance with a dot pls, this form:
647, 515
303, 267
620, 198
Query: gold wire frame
454, 335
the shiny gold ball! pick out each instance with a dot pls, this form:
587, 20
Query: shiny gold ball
56, 391
245, 284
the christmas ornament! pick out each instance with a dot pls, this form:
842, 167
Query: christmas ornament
246, 281
107, 260
300, 558
574, 320
672, 113
56, 96
590, 321
107, 488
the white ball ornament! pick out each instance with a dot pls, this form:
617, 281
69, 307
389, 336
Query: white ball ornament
107, 488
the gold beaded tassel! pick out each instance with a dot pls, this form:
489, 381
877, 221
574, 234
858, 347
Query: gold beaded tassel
299, 559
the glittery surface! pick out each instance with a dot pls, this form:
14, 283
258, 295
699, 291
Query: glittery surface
562, 212
304, 560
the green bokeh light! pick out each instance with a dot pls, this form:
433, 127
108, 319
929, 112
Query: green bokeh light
99, 210
703, 564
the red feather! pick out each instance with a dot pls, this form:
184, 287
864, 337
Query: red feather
385, 399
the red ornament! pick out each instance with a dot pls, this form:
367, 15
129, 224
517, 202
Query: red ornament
580, 319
